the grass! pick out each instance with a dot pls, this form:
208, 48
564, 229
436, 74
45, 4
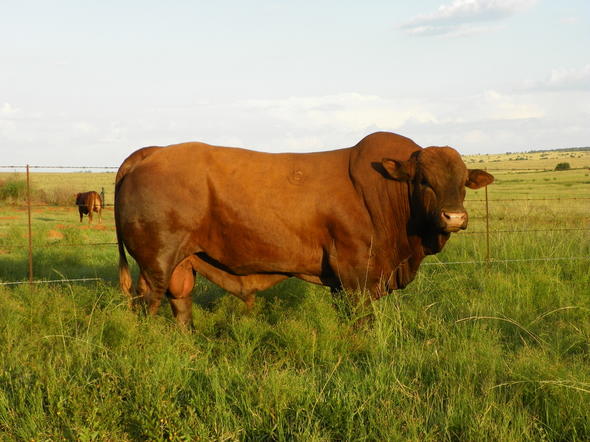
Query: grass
523, 161
496, 351
63, 186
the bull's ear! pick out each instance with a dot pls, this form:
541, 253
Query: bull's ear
399, 170
477, 178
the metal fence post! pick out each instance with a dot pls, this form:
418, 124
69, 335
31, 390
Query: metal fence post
30, 228
487, 227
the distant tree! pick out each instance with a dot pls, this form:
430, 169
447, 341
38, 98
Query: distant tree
562, 166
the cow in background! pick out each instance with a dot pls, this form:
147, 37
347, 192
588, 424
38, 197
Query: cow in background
87, 203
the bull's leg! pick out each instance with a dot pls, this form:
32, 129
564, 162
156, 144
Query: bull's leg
100, 216
359, 285
248, 297
140, 291
90, 216
81, 213
179, 291
152, 291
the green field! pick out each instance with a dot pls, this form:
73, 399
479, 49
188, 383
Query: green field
469, 351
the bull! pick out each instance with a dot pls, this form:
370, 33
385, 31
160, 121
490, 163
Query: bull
358, 218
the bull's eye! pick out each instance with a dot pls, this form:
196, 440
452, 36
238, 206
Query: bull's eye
424, 182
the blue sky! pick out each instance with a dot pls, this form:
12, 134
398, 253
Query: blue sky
87, 83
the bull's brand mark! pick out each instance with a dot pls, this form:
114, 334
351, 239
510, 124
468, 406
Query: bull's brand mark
296, 177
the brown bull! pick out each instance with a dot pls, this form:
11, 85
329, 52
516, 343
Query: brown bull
87, 203
357, 218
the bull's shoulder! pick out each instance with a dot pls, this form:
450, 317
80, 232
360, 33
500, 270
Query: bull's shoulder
80, 198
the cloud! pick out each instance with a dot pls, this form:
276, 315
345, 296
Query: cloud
563, 79
505, 107
571, 20
352, 110
358, 111
463, 17
8, 110
490, 121
472, 123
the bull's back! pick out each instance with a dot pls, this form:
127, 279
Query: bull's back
225, 179
238, 204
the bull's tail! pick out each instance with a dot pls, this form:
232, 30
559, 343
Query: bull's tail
125, 281
124, 273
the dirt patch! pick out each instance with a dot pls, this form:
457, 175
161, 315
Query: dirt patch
4, 252
9, 217
55, 235
93, 227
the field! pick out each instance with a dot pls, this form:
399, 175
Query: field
469, 351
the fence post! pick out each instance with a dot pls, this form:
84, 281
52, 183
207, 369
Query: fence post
487, 226
30, 228
102, 201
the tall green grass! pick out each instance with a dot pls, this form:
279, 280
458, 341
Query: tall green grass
476, 351
496, 353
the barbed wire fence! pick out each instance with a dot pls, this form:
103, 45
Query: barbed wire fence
488, 232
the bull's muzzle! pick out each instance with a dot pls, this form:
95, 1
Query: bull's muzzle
453, 221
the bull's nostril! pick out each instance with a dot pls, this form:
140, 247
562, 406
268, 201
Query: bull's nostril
454, 221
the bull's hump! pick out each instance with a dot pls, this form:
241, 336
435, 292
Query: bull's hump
387, 138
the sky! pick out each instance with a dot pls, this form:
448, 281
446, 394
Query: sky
86, 83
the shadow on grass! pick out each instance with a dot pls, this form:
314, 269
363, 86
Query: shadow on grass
49, 265
289, 292
74, 263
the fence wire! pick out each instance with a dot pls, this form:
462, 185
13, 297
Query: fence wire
51, 281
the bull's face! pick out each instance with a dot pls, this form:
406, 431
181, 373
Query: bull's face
438, 177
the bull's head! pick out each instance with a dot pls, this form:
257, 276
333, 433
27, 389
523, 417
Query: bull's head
438, 177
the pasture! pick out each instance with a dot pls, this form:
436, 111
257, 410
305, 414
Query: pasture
469, 351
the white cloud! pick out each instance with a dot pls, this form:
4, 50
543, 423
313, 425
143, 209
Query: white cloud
84, 128
505, 107
352, 110
570, 78
490, 121
459, 30
564, 79
569, 20
458, 18
8, 110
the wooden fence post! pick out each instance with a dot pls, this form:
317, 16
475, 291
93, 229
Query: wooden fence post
30, 228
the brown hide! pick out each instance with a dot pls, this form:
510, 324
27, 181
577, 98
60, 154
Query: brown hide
89, 202
130, 162
346, 218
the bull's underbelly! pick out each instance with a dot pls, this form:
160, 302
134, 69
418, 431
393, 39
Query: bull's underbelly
247, 259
